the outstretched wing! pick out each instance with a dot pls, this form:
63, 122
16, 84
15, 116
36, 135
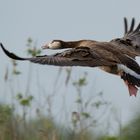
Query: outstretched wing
132, 35
81, 56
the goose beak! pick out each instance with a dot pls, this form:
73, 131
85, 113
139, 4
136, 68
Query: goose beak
45, 46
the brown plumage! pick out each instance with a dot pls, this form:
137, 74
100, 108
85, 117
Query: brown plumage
131, 38
116, 57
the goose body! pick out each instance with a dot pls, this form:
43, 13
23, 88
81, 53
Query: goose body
116, 57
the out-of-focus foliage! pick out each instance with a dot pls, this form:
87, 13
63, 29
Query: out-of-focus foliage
6, 113
132, 130
15, 71
24, 101
32, 49
6, 119
109, 138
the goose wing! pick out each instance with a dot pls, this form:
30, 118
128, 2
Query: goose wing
81, 56
132, 35
102, 54
119, 55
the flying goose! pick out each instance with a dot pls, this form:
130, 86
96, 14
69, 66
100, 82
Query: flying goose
115, 57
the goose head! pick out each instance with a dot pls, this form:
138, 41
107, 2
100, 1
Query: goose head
55, 44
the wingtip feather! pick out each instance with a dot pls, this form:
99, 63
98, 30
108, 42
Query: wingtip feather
125, 25
11, 55
132, 25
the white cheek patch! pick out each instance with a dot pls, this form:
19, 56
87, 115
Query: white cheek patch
54, 45
49, 45
128, 70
